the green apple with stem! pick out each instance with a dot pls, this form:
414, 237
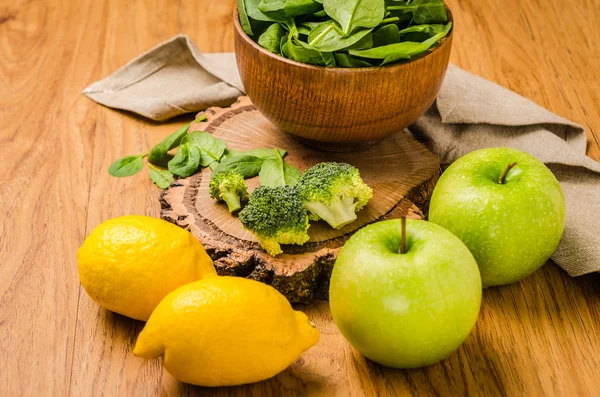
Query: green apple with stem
405, 293
506, 206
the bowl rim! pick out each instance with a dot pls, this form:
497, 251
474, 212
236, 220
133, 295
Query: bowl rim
254, 44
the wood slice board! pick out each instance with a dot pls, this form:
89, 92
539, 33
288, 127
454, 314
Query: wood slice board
400, 170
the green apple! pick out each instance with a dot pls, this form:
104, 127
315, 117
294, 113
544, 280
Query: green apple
512, 226
405, 310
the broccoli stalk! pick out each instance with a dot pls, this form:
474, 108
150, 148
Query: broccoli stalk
229, 186
334, 192
232, 200
276, 216
337, 214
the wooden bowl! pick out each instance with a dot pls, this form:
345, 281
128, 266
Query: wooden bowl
339, 109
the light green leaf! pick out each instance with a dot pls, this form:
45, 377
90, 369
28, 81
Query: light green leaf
127, 166
186, 160
161, 178
353, 14
276, 172
328, 37
159, 153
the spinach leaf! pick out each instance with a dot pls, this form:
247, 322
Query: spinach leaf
346, 61
276, 172
300, 51
127, 166
186, 160
320, 14
306, 27
328, 37
254, 12
248, 166
244, 20
210, 148
404, 50
388, 34
363, 44
421, 11
420, 33
430, 30
247, 163
282, 44
159, 153
161, 178
303, 30
263, 153
271, 38
352, 14
284, 9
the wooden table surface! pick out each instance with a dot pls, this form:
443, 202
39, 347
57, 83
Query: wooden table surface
537, 337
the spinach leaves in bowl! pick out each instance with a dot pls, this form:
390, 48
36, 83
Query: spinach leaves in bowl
345, 33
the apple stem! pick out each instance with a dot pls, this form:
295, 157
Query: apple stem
403, 236
503, 176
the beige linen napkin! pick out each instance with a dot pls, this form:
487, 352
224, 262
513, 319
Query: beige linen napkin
470, 113
170, 79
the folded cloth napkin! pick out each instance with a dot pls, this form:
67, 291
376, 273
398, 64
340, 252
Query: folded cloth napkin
470, 113
172, 78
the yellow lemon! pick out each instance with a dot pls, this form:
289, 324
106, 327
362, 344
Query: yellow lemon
225, 331
128, 264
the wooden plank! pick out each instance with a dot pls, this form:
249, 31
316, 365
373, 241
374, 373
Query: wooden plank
46, 149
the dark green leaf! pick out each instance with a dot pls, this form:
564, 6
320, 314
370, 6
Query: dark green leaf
320, 14
244, 20
297, 50
210, 148
248, 166
388, 34
254, 12
404, 50
303, 30
284, 9
127, 166
328, 37
161, 178
186, 160
306, 27
271, 38
346, 61
276, 172
419, 11
159, 153
363, 44
353, 14
419, 33
247, 163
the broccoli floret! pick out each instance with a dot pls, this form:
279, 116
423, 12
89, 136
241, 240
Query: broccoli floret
276, 216
229, 186
334, 192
